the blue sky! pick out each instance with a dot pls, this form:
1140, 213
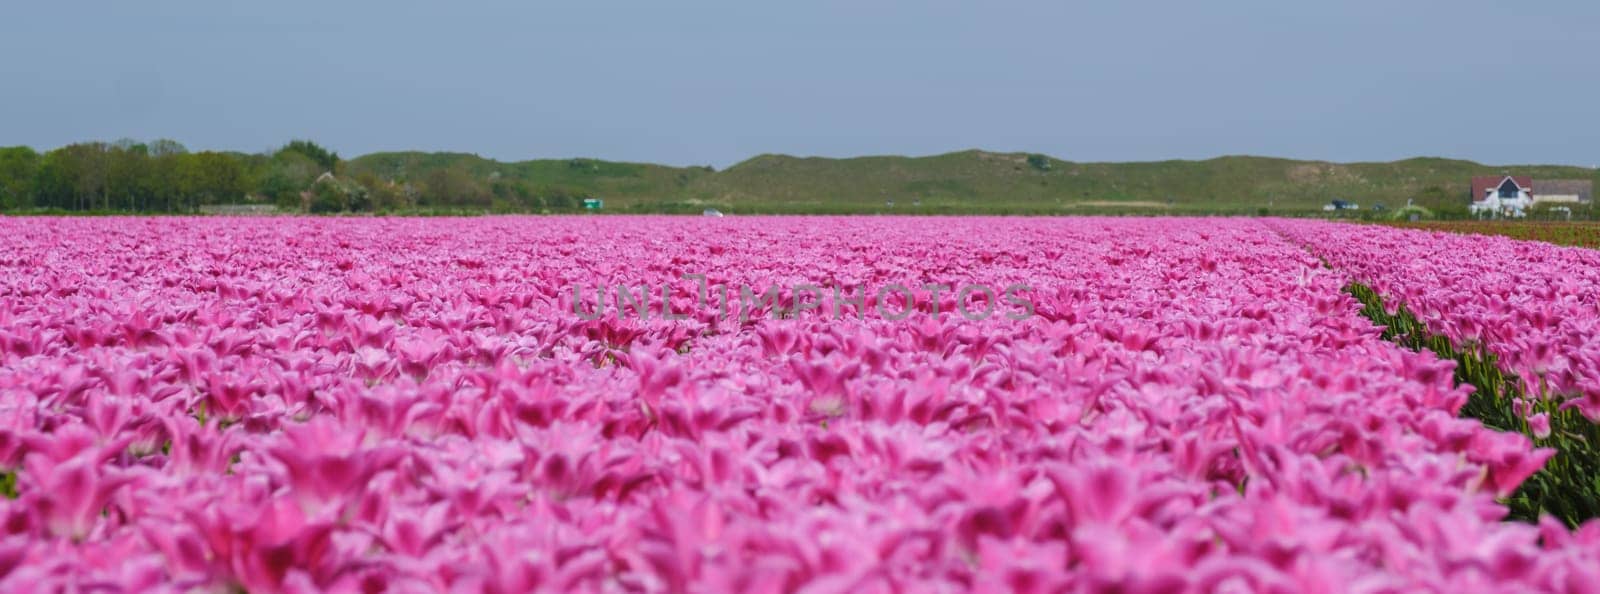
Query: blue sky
717, 82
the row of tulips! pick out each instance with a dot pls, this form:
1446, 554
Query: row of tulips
1531, 305
1583, 234
300, 405
1520, 320
1568, 486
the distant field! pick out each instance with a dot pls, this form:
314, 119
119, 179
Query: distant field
1584, 234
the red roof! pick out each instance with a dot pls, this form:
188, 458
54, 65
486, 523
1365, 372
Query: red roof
1484, 183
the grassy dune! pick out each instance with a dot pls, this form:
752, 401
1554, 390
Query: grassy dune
985, 182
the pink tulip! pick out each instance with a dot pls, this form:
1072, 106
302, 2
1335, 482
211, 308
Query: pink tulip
69, 496
1540, 425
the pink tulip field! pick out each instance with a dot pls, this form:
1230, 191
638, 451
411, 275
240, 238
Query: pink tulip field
1520, 318
547, 404
1533, 305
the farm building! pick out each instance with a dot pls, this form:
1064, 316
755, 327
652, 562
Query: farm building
1563, 190
1512, 195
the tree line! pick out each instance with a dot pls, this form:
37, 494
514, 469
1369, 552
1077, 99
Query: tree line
163, 176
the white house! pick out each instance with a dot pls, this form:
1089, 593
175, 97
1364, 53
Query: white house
1505, 195
1511, 195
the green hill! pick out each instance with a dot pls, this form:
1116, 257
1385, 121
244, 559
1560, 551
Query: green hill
977, 181
163, 176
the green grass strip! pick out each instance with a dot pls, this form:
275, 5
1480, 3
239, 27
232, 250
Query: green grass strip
1568, 487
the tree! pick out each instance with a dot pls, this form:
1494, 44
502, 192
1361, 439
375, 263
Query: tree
384, 195
288, 174
454, 186
325, 198
18, 167
123, 175
86, 165
166, 193
209, 178
128, 182
514, 194
324, 158
331, 194
560, 197
52, 181
163, 147
1443, 203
